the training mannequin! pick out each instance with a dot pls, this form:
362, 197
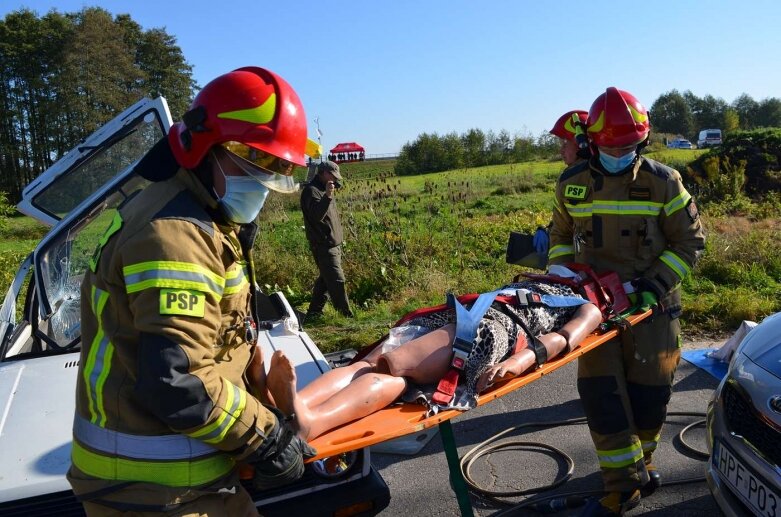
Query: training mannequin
372, 383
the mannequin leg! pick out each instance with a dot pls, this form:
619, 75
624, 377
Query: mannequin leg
325, 386
365, 395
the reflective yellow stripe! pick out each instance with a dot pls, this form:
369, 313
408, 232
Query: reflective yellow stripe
236, 279
258, 115
581, 210
173, 275
619, 458
235, 404
650, 445
676, 263
620, 208
116, 224
98, 361
560, 250
677, 203
189, 473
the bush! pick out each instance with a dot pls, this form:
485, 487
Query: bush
748, 163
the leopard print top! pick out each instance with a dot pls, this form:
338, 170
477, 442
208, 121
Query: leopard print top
497, 333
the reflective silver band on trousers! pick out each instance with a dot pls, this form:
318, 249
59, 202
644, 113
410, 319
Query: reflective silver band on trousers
163, 447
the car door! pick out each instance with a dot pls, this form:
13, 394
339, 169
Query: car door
78, 196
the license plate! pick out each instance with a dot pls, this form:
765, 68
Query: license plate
752, 489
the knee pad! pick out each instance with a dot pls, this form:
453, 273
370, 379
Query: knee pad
602, 404
649, 404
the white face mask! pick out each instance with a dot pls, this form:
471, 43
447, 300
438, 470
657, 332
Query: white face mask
243, 199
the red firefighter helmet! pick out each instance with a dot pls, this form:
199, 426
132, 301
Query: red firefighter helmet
250, 106
564, 128
617, 119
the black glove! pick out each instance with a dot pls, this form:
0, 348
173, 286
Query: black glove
281, 459
646, 294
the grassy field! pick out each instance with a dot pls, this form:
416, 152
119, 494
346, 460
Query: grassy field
411, 239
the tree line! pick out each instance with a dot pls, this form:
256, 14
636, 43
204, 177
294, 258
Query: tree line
63, 75
686, 114
474, 148
672, 113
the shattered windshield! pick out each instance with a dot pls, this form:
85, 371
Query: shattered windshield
63, 260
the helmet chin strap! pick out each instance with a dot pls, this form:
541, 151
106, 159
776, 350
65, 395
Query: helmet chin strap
219, 166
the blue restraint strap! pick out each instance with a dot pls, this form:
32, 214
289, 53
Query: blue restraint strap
467, 321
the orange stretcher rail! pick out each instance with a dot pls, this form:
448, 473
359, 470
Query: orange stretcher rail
403, 419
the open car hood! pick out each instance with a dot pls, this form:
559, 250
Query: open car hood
37, 411
86, 171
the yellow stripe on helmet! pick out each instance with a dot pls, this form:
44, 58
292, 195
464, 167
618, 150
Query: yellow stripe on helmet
258, 115
636, 115
599, 125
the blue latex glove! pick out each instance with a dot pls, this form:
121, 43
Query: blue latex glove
541, 241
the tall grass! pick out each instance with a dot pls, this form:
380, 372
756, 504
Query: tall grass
411, 239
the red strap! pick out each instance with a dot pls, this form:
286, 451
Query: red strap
446, 388
521, 342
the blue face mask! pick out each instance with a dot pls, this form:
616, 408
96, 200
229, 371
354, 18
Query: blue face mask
243, 199
614, 164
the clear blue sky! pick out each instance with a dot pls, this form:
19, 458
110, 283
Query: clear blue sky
381, 73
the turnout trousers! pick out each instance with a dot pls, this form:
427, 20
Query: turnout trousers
235, 504
624, 386
330, 283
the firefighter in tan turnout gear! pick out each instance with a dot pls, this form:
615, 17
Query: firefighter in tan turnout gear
164, 410
623, 212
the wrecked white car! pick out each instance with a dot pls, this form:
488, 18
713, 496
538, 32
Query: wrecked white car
40, 337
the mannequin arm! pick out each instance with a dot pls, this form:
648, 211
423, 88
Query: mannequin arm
585, 320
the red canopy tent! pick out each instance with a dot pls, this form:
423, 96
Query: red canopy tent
347, 152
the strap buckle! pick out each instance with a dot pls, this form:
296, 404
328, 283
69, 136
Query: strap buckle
459, 355
446, 388
528, 298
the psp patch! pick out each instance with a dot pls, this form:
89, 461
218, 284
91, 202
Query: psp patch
182, 302
575, 191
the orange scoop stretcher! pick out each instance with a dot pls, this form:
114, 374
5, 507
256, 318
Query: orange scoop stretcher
408, 418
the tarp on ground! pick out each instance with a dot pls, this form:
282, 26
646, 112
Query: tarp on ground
347, 147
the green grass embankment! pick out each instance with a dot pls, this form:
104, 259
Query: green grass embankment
411, 239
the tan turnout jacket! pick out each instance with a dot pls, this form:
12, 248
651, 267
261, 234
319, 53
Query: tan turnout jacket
640, 224
162, 399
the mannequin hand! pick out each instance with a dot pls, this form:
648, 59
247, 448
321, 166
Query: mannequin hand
499, 372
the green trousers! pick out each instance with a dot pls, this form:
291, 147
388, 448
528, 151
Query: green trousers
330, 283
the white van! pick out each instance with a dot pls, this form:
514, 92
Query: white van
709, 138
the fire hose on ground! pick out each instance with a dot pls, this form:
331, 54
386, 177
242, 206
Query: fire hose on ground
537, 500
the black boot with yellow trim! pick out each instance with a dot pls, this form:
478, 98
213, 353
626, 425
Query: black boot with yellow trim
612, 503
654, 480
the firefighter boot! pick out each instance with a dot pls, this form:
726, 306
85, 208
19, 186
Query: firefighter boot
611, 504
654, 481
